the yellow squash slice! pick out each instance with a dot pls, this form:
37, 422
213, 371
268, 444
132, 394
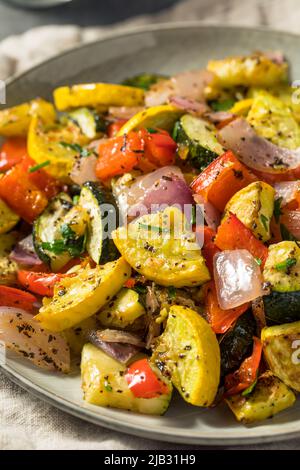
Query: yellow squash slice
254, 205
97, 94
8, 219
15, 121
161, 247
55, 144
79, 297
188, 352
162, 117
269, 397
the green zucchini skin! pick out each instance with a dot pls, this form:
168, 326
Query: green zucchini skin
56, 209
282, 307
236, 344
94, 198
197, 141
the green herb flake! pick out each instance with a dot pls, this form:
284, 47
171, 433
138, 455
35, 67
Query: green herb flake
153, 228
140, 289
277, 209
34, 168
288, 263
264, 221
82, 151
67, 232
258, 261
250, 389
152, 131
107, 386
172, 292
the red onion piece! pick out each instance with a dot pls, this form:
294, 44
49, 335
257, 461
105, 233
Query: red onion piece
237, 277
190, 106
219, 116
24, 253
22, 334
291, 220
165, 186
287, 190
211, 215
123, 112
188, 85
84, 169
256, 152
119, 336
119, 351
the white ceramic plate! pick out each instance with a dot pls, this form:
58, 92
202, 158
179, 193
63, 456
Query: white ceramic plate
163, 49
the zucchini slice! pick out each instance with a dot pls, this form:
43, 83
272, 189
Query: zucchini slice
281, 346
197, 141
269, 397
282, 307
104, 384
59, 232
103, 217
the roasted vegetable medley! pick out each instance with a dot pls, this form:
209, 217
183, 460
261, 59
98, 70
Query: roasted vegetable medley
152, 228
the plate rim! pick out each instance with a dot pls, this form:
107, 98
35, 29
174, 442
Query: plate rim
127, 32
110, 422
138, 430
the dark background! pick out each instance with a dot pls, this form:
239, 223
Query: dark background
14, 20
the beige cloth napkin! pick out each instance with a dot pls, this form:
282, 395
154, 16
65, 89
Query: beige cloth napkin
25, 421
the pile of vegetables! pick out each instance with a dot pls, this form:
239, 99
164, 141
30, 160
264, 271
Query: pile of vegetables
153, 229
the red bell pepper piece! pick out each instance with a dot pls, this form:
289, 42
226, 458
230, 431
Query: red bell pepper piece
114, 127
222, 179
39, 283
143, 382
142, 149
11, 297
233, 235
12, 152
247, 373
219, 319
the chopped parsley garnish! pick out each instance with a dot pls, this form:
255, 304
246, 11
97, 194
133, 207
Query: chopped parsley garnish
67, 232
34, 168
277, 209
264, 221
154, 228
140, 289
70, 243
151, 130
82, 151
107, 386
172, 292
259, 261
288, 263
